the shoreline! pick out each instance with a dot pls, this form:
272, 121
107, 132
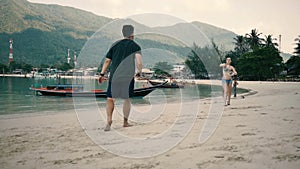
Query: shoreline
96, 77
193, 81
47, 77
257, 131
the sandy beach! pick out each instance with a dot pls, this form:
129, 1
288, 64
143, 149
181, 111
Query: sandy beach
258, 130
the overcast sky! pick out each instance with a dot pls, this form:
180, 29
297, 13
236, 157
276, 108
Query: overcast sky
275, 17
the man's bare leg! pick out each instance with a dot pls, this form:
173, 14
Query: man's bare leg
109, 110
126, 111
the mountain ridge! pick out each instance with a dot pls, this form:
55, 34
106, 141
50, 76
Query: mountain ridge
44, 32
19, 15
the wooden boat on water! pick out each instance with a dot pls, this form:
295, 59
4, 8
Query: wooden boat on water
77, 91
166, 84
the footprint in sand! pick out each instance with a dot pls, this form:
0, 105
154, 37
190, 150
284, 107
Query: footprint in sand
238, 158
219, 156
289, 157
248, 134
227, 138
298, 148
288, 120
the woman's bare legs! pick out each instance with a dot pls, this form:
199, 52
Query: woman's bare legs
229, 87
225, 93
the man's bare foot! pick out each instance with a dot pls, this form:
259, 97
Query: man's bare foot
107, 127
127, 125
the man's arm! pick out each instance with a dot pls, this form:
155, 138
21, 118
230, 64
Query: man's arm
139, 64
104, 68
105, 65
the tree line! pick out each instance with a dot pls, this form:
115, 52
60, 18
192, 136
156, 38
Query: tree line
255, 58
27, 68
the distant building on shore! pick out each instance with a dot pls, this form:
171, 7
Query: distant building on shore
10, 57
180, 71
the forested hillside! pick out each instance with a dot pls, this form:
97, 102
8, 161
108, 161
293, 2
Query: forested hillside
42, 34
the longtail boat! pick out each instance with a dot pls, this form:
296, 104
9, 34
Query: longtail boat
77, 91
166, 84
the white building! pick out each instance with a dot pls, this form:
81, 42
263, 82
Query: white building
147, 73
180, 71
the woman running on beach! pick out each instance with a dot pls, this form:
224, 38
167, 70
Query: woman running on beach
228, 72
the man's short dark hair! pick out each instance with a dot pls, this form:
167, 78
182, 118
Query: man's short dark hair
127, 30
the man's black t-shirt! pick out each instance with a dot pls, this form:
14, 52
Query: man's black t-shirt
122, 55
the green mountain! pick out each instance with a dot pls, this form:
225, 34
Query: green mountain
19, 15
201, 34
222, 37
42, 34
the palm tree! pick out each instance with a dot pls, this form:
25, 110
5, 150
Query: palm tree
253, 39
241, 45
269, 42
297, 48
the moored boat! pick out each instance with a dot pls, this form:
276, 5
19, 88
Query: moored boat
77, 91
166, 84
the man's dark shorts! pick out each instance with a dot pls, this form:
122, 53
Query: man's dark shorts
120, 89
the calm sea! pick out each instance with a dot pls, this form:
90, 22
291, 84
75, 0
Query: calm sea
16, 97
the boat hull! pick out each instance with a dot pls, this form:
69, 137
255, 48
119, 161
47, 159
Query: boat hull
165, 84
140, 92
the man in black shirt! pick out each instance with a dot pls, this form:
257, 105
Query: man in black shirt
121, 58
